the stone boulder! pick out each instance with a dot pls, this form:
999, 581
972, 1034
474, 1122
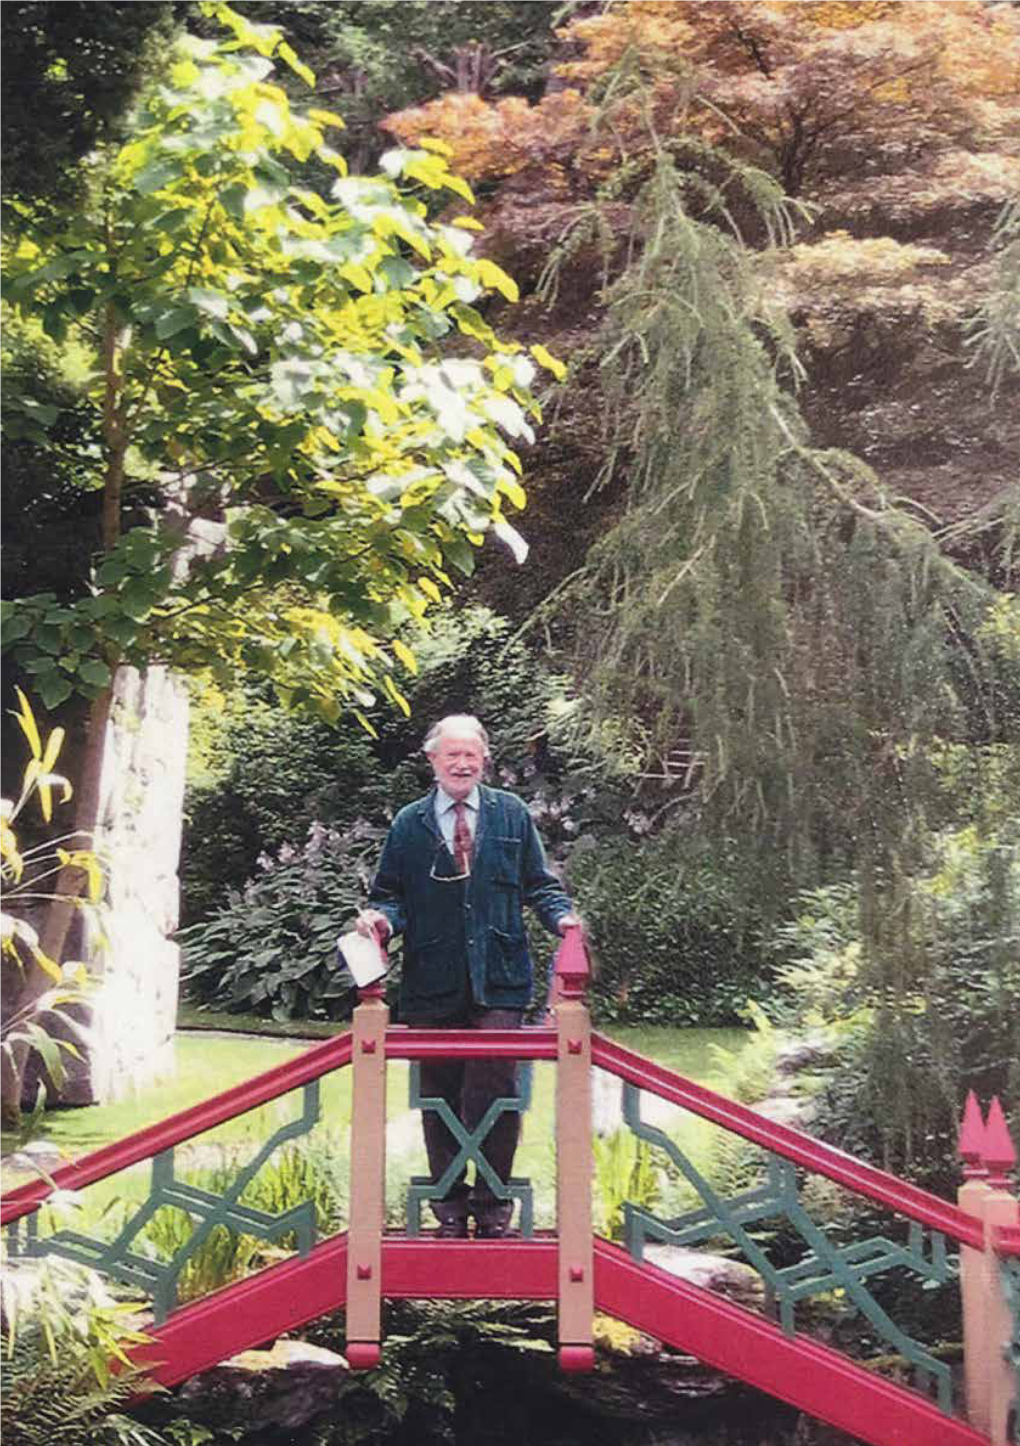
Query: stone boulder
733, 1279
808, 1053
285, 1388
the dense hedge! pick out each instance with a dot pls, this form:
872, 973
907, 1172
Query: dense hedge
270, 948
673, 939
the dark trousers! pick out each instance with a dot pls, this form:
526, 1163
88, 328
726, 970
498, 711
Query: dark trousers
469, 1087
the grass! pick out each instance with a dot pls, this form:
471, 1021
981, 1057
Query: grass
190, 1017
204, 1066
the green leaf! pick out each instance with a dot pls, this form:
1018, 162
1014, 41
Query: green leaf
461, 554
53, 688
42, 412
158, 175
233, 199
81, 300
111, 570
173, 320
48, 639
16, 624
47, 1047
213, 303
122, 630
95, 672
257, 198
398, 272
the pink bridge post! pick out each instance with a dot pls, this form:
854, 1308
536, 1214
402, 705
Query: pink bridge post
988, 1155
575, 1276
368, 1179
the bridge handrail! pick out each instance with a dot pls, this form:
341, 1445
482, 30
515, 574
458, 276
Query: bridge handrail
864, 1179
532, 1043
262, 1088
570, 970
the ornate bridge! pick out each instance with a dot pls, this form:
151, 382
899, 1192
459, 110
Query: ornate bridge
782, 1218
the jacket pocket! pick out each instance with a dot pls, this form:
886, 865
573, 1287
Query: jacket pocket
509, 963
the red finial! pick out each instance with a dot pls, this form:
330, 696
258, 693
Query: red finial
999, 1152
571, 969
971, 1143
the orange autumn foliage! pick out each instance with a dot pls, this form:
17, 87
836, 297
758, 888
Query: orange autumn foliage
802, 84
496, 139
799, 86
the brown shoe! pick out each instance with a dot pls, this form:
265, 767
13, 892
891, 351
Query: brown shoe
491, 1229
455, 1229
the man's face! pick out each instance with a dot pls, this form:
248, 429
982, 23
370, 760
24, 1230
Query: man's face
458, 763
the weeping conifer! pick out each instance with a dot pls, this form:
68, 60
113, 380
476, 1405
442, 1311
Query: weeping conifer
766, 599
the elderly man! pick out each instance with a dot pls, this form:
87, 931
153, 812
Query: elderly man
456, 869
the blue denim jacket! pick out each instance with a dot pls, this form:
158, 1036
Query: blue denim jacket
466, 935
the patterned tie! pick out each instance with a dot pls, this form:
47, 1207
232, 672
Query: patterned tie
462, 841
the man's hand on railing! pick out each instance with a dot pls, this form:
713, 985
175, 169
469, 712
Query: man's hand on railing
371, 921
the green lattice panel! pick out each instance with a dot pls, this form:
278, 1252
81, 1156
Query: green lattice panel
823, 1268
122, 1260
423, 1189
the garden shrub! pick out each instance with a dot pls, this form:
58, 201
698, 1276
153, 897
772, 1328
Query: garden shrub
673, 938
67, 1374
271, 948
263, 777
911, 1051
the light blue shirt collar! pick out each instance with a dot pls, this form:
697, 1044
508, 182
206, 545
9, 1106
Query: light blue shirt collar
444, 802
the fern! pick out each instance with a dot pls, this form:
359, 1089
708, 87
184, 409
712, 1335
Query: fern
62, 1330
625, 1172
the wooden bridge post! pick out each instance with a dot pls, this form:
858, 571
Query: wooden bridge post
576, 1286
368, 1179
990, 1382
1001, 1213
970, 1197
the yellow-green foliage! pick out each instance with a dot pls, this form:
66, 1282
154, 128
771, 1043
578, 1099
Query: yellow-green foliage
248, 326
63, 1331
22, 873
625, 1172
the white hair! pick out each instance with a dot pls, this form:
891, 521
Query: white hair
455, 723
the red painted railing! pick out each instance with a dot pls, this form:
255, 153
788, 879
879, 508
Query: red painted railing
527, 1043
570, 974
791, 1144
524, 1044
812, 1377
175, 1129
